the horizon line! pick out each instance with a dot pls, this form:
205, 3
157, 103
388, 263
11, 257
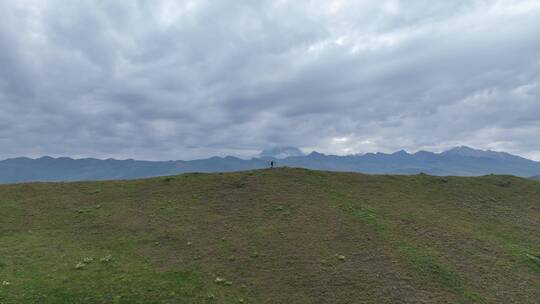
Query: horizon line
262, 157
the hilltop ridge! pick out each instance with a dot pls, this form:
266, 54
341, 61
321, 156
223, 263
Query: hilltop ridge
272, 236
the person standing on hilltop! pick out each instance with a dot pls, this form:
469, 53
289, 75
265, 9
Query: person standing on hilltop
271, 164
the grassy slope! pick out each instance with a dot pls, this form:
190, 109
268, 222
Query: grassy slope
275, 236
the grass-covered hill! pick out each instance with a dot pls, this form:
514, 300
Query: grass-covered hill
272, 236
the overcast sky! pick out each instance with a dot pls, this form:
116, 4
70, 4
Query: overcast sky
190, 79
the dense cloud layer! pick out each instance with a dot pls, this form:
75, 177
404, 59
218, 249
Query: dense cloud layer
187, 79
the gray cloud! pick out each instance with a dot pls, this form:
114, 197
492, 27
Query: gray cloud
187, 79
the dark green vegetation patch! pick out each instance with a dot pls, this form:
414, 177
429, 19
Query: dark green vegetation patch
272, 236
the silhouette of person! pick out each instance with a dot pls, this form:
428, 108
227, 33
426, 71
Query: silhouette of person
272, 164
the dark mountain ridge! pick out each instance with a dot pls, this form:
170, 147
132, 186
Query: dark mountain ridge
459, 161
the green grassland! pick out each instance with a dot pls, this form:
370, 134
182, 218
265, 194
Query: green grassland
272, 236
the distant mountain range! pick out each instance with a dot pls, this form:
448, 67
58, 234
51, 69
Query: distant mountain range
462, 161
